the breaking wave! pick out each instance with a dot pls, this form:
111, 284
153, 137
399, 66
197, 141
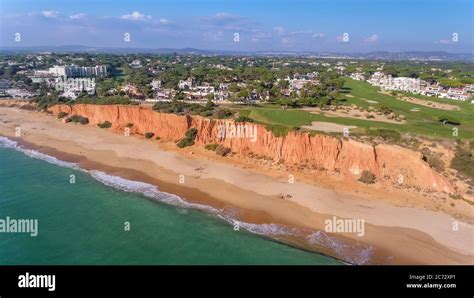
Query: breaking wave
354, 253
148, 190
7, 143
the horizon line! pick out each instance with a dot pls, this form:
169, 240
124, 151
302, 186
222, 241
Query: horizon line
228, 50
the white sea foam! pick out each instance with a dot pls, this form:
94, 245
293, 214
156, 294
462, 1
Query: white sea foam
148, 190
50, 159
151, 191
7, 143
354, 253
273, 230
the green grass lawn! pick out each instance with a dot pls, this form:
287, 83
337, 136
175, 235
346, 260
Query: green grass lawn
424, 122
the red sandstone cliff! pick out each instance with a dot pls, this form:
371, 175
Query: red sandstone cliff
347, 156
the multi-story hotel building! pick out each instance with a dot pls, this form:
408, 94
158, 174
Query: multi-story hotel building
78, 71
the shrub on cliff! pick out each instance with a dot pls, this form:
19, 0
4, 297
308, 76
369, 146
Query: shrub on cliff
388, 135
221, 114
277, 129
191, 133
244, 119
188, 140
79, 119
367, 177
222, 151
436, 163
45, 101
433, 159
84, 120
62, 115
149, 135
184, 108
112, 100
212, 146
206, 114
463, 161
185, 142
181, 108
105, 124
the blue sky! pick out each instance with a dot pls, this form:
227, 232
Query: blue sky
279, 25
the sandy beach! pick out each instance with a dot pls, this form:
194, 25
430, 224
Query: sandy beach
396, 234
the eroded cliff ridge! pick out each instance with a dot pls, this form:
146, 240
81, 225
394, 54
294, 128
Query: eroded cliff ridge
349, 157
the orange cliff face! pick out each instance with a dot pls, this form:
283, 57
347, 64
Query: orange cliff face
349, 157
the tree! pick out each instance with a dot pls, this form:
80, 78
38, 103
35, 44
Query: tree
243, 94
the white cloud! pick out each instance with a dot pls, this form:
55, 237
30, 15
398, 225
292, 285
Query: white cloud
77, 16
226, 21
279, 30
223, 15
136, 16
213, 36
444, 41
372, 38
164, 21
49, 13
318, 35
262, 34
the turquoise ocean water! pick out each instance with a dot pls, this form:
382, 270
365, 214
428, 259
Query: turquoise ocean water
84, 222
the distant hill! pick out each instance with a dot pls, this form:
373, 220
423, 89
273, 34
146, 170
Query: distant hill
378, 55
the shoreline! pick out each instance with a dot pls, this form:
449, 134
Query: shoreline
195, 196
213, 186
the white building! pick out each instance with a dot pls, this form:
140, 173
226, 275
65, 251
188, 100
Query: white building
298, 81
78, 71
358, 76
458, 94
155, 85
205, 89
136, 64
401, 84
182, 84
221, 94
377, 79
431, 90
419, 87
